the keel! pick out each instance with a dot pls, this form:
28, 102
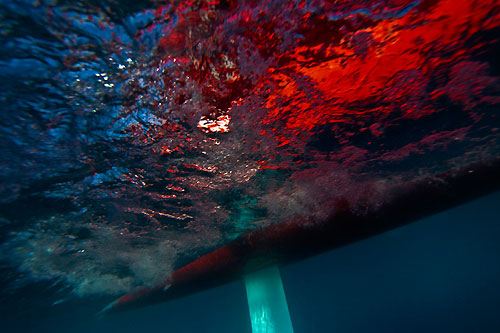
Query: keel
267, 302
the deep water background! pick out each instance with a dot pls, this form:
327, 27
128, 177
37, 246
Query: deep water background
439, 274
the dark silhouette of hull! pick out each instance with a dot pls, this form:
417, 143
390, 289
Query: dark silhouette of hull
298, 237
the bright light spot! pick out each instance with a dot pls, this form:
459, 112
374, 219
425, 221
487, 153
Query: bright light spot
220, 125
120, 66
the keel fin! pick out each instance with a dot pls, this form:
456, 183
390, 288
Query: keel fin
267, 302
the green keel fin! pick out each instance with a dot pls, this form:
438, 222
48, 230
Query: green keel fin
267, 302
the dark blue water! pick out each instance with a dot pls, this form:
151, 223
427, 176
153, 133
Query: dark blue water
439, 274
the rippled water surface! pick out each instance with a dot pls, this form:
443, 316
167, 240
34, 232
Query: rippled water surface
137, 135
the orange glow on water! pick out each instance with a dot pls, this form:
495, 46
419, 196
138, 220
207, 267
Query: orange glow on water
422, 42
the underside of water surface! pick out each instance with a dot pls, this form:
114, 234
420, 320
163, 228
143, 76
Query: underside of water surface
136, 136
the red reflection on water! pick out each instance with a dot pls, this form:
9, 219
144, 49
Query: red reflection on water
368, 64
